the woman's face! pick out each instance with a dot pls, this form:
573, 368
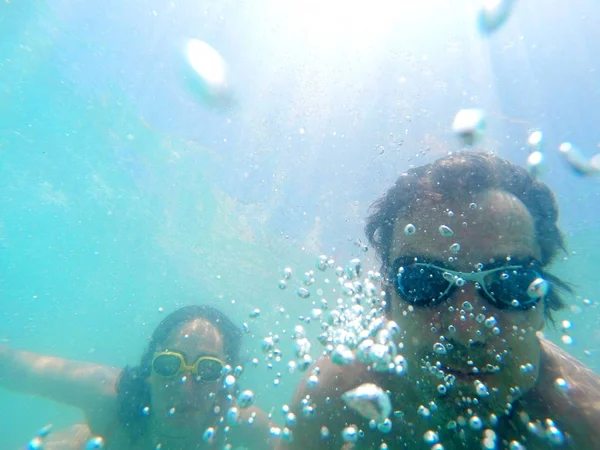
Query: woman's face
183, 401
490, 347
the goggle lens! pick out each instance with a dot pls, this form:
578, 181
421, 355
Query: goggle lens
209, 370
421, 283
166, 365
510, 288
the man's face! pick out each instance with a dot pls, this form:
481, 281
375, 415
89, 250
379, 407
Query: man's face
465, 342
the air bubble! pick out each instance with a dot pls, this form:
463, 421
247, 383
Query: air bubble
233, 416
538, 288
493, 14
312, 382
567, 340
431, 437
385, 426
555, 436
350, 434
535, 163
481, 389
94, 443
410, 229
322, 263
469, 125
439, 348
423, 411
446, 231
490, 322
209, 435
475, 423
561, 385
245, 399
342, 355
302, 292
290, 420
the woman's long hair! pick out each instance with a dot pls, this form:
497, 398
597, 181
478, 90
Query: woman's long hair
133, 387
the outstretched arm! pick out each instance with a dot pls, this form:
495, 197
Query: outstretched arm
88, 386
73, 438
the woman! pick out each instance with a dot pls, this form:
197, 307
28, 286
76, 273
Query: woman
175, 399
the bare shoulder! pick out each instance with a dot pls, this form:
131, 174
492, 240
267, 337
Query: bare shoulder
581, 383
570, 392
319, 410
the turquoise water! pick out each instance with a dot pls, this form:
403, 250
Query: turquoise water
122, 196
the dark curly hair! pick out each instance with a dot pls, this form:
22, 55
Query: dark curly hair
133, 387
451, 178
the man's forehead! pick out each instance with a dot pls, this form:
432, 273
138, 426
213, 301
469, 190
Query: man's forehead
478, 229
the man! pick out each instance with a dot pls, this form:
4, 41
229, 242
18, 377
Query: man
464, 244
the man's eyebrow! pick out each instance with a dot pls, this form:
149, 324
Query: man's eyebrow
413, 257
510, 259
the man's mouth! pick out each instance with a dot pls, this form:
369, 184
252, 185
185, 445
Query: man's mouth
469, 374
461, 373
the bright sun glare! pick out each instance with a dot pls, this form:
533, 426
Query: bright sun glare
324, 22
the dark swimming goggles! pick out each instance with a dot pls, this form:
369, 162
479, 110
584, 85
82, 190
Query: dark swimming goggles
516, 285
172, 364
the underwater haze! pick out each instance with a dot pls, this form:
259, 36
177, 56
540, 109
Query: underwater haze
125, 193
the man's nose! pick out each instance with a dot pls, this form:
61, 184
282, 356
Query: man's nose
463, 321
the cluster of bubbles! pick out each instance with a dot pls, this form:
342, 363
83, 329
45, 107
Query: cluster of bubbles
285, 433
570, 154
546, 429
469, 124
353, 328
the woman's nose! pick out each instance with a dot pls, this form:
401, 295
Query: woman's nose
187, 380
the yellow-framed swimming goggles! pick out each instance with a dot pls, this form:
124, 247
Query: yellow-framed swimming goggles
172, 364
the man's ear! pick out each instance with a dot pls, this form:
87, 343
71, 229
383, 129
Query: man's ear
542, 324
542, 321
